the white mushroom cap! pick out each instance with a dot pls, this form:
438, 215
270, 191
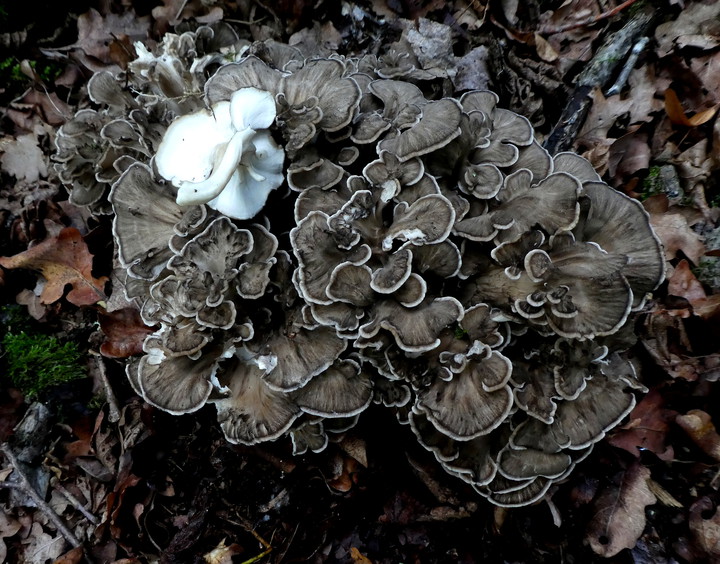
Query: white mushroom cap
223, 156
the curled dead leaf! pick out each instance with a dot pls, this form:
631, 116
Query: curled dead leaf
619, 517
699, 427
676, 113
704, 524
358, 557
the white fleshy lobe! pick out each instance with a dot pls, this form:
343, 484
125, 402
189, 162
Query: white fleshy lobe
224, 157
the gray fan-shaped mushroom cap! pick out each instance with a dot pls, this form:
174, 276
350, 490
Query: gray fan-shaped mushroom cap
425, 222
318, 254
309, 435
145, 217
438, 125
415, 329
393, 273
620, 225
253, 274
463, 408
176, 384
521, 464
552, 204
253, 413
580, 423
291, 361
342, 390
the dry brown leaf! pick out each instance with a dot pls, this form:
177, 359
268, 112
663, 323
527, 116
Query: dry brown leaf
9, 526
223, 554
96, 33
603, 114
544, 50
62, 260
707, 69
699, 427
573, 44
689, 25
71, 557
358, 557
706, 529
619, 517
124, 332
647, 428
355, 447
175, 11
676, 112
470, 14
344, 473
684, 284
676, 235
708, 308
31, 300
39, 546
628, 155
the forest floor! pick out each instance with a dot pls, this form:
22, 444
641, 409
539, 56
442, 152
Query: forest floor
88, 472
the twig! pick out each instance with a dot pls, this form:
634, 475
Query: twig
179, 12
27, 488
113, 408
638, 48
595, 19
246, 22
596, 74
249, 528
74, 501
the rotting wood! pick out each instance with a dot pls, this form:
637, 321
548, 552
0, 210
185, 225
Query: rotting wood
597, 74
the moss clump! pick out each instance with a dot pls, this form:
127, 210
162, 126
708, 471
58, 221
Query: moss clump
652, 184
38, 362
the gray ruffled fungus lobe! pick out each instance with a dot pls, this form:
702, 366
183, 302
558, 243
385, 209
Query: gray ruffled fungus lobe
97, 145
424, 253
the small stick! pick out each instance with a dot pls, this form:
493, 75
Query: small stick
75, 501
27, 488
249, 528
182, 7
595, 19
113, 408
627, 69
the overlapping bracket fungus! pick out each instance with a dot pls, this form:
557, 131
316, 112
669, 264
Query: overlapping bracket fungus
312, 235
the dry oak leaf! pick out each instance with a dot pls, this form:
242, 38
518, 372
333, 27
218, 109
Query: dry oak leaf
676, 235
647, 428
699, 427
62, 260
706, 531
619, 517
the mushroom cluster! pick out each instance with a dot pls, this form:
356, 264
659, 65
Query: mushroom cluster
345, 236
